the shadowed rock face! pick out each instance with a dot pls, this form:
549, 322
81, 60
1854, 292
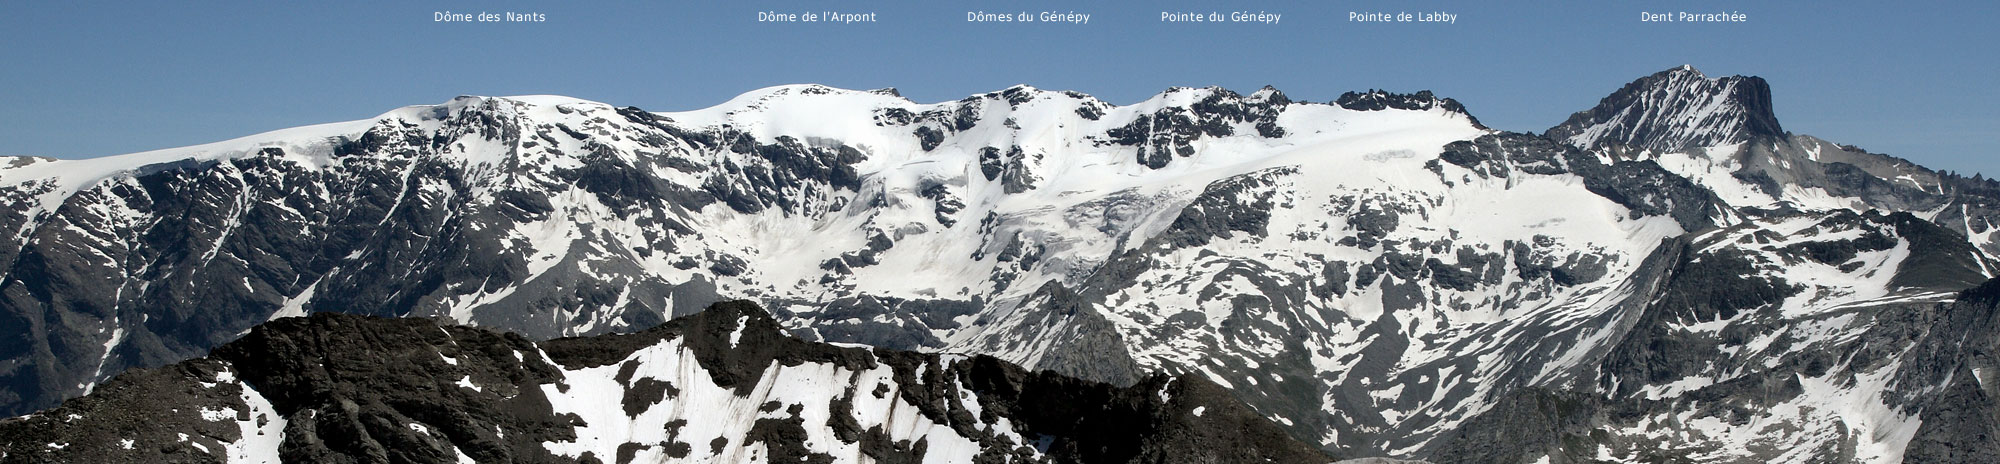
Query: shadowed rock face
1938, 357
1954, 359
724, 384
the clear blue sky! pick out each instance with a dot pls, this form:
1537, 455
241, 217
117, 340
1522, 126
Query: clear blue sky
81, 79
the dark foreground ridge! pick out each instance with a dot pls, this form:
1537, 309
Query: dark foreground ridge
346, 388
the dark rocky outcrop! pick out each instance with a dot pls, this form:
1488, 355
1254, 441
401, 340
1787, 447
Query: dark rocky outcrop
1170, 132
1378, 100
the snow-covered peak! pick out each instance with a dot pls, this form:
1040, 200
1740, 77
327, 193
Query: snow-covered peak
1675, 110
489, 129
1268, 94
308, 142
809, 100
1185, 97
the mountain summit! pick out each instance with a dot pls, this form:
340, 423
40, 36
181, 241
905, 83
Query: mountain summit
1673, 110
1721, 133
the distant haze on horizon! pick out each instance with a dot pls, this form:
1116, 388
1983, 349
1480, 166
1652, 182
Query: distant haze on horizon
93, 79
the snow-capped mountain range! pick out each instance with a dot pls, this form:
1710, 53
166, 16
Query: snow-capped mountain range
1668, 275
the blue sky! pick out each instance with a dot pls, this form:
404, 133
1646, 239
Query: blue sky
85, 79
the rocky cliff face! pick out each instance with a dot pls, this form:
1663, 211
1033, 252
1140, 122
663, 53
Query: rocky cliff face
1675, 110
723, 385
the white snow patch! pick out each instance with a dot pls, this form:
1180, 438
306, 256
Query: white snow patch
736, 336
467, 383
